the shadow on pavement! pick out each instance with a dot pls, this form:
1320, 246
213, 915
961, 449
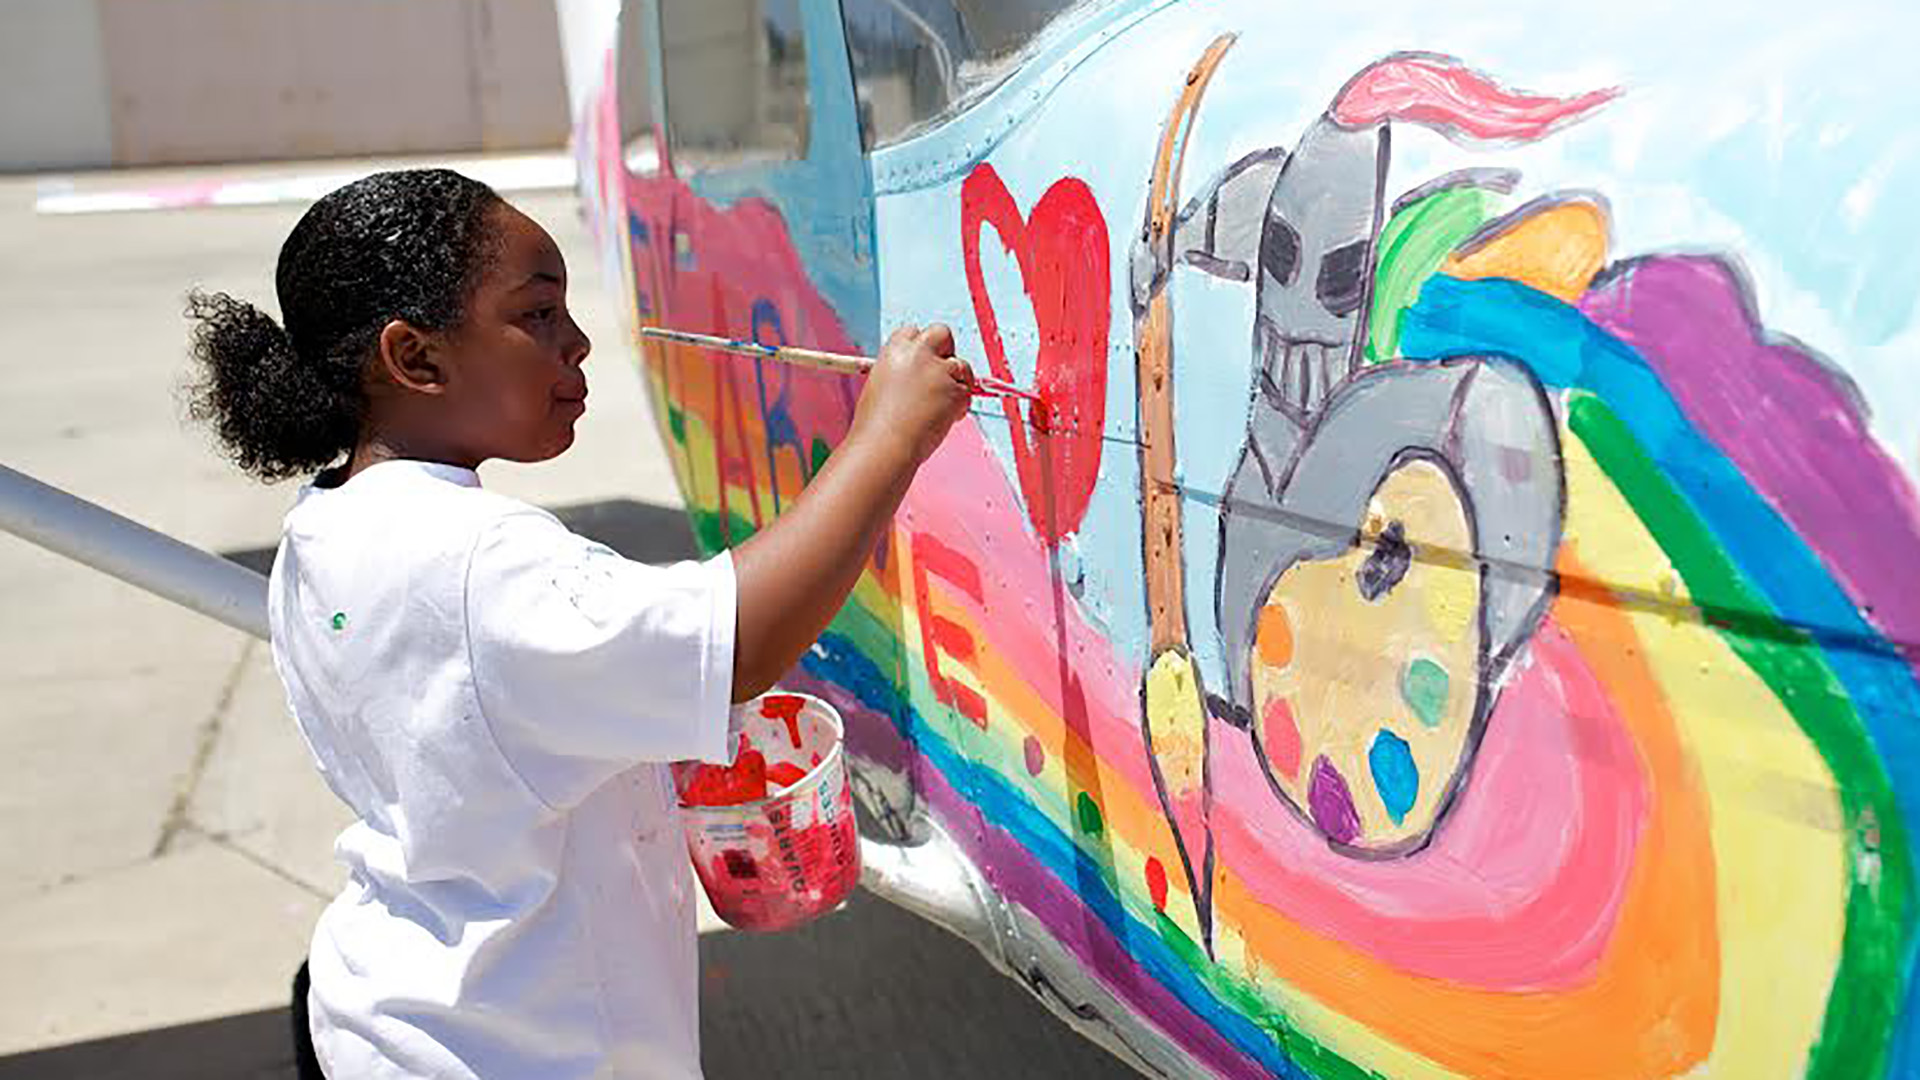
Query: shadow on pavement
873, 992
251, 1046
868, 992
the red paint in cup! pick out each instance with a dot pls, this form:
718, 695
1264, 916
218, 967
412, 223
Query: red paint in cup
772, 836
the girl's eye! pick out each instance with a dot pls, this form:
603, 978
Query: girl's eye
542, 315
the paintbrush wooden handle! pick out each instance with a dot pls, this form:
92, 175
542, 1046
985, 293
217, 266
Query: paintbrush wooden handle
813, 358
843, 363
825, 361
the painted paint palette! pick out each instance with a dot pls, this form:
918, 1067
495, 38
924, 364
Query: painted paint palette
1370, 756
1374, 614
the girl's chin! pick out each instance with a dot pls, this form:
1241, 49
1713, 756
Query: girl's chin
560, 444
557, 442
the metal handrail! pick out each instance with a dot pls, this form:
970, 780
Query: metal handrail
71, 526
933, 879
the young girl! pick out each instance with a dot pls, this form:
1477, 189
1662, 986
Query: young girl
495, 697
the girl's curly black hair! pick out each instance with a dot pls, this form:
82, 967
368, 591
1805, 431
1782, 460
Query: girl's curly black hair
406, 245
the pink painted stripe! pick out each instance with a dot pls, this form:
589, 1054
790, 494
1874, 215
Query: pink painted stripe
1444, 93
987, 524
1521, 886
1535, 851
1021, 878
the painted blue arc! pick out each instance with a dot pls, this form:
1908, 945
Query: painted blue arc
1005, 807
1564, 349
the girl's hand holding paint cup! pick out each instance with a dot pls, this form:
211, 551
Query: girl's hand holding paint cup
915, 392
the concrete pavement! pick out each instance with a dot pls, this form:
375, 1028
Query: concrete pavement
167, 842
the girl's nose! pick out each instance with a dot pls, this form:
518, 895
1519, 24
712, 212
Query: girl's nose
580, 346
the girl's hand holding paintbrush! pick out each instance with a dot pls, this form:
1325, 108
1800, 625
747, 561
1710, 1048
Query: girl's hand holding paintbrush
793, 575
915, 391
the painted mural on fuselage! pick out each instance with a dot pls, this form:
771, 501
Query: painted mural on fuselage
1550, 610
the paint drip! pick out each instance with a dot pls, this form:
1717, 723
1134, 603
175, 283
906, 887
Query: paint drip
786, 709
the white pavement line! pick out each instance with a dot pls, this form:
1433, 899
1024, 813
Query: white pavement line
202, 753
529, 172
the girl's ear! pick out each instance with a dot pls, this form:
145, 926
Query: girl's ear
412, 358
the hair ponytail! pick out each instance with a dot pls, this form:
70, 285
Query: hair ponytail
408, 245
276, 417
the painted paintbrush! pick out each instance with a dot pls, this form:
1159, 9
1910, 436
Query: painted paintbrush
844, 363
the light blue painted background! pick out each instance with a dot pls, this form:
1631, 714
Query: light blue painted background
1753, 130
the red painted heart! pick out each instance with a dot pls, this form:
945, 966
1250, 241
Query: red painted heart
1061, 250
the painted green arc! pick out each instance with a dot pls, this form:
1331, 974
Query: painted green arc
1414, 243
874, 637
1313, 1058
1864, 1002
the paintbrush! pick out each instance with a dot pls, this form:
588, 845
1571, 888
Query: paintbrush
844, 363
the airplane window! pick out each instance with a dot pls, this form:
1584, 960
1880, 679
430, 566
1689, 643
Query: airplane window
904, 55
635, 92
736, 78
916, 60
1000, 29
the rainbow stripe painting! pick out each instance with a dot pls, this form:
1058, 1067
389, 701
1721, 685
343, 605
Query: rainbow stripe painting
1463, 615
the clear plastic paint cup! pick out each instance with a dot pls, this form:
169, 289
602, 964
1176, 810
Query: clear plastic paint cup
780, 861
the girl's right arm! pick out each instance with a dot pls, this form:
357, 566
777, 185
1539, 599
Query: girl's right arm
793, 576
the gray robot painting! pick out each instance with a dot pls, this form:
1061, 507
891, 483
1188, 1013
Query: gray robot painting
1387, 533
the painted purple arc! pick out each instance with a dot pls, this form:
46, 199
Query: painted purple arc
1692, 318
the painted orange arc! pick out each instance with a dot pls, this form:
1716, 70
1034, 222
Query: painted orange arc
1556, 248
1651, 1005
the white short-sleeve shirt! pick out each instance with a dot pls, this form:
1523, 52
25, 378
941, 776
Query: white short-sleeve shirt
495, 697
